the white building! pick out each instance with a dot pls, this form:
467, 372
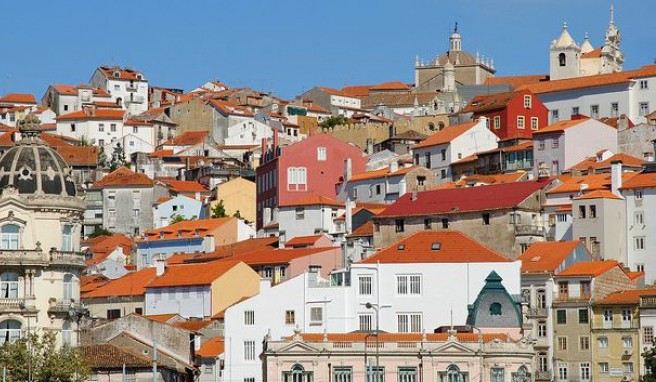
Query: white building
64, 99
451, 144
406, 281
309, 216
127, 87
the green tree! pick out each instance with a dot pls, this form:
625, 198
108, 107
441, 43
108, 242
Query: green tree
101, 231
219, 211
650, 365
118, 158
177, 218
334, 120
102, 157
40, 356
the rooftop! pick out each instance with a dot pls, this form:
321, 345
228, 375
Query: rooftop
446, 135
192, 274
132, 284
547, 256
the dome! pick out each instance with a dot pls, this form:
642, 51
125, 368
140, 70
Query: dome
33, 167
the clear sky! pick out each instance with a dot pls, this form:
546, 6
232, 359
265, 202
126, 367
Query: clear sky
288, 46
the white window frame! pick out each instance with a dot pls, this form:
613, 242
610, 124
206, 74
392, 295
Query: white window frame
365, 288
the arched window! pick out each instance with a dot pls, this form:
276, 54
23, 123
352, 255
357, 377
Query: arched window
9, 285
495, 309
453, 374
440, 126
68, 287
562, 60
297, 374
10, 236
431, 126
10, 330
67, 333
522, 375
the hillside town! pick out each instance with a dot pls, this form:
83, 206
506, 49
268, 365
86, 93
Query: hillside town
465, 227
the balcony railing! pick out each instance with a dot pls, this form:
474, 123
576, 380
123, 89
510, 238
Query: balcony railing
70, 258
530, 230
132, 87
537, 312
134, 99
23, 257
543, 375
648, 301
8, 305
66, 307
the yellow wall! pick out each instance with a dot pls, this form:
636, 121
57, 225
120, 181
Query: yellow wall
239, 282
615, 354
238, 194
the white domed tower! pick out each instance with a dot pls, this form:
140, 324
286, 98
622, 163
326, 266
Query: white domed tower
455, 40
612, 57
40, 222
565, 54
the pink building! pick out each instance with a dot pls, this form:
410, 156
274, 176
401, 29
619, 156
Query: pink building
314, 166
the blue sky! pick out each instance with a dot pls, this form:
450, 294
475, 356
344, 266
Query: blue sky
288, 46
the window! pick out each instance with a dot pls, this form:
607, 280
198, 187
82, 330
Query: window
208, 368
585, 289
561, 316
584, 343
443, 154
496, 374
296, 179
112, 127
582, 212
321, 153
535, 123
637, 194
101, 127
562, 61
416, 159
639, 243
398, 225
603, 367
409, 323
421, 180
365, 322
520, 122
542, 329
427, 223
497, 123
626, 315
379, 189
602, 342
584, 369
10, 331
541, 145
408, 284
364, 285
249, 318
342, 374
316, 315
563, 289
594, 111
407, 374
527, 101
249, 350
443, 174
644, 84
627, 342
614, 109
486, 219
575, 110
376, 374
135, 129
593, 211
648, 334
300, 213
554, 116
445, 223
562, 343
101, 142
562, 367
72, 127
248, 379
10, 236
9, 285
428, 160
67, 333
583, 316
290, 317
639, 218
113, 314
282, 271
543, 362
644, 108
628, 367
495, 309
268, 272
68, 287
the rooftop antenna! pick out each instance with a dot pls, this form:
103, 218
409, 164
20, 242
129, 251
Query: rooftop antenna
451, 316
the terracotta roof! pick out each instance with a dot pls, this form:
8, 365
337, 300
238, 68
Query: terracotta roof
516, 81
116, 72
454, 247
546, 256
382, 173
102, 246
225, 251
400, 337
635, 275
490, 179
79, 155
185, 186
89, 114
92, 282
72, 90
278, 255
459, 200
592, 163
163, 199
640, 180
561, 126
231, 108
192, 325
187, 139
596, 53
332, 91
18, 98
212, 348
593, 182
313, 107
108, 356
398, 99
366, 229
192, 274
446, 135
357, 90
490, 102
590, 268
391, 85
124, 177
163, 318
132, 284
590, 81
186, 229
624, 297
303, 241
238, 147
161, 154
598, 194
313, 200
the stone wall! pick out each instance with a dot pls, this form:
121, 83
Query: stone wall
636, 141
611, 281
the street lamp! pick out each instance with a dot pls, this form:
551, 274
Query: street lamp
376, 309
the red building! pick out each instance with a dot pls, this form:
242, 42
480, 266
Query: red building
511, 115
314, 166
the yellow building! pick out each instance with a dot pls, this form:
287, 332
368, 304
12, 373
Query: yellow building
616, 342
237, 195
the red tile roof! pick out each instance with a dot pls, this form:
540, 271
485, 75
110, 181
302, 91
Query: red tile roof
547, 256
516, 81
108, 356
188, 138
186, 229
454, 247
598, 194
161, 154
225, 251
192, 274
590, 268
561, 126
357, 90
90, 114
313, 200
640, 180
231, 108
212, 348
102, 246
459, 200
303, 241
116, 72
163, 318
391, 85
384, 172
625, 297
185, 186
367, 229
490, 102
596, 53
278, 256
124, 177
192, 325
591, 182
446, 135
132, 284
18, 98
79, 155
92, 282
332, 91
592, 163
72, 90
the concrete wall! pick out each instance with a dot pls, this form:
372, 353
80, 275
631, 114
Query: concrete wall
239, 282
609, 227
238, 195
315, 218
641, 258
193, 115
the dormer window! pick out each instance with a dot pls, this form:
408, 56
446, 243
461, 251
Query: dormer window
401, 247
495, 309
117, 74
436, 246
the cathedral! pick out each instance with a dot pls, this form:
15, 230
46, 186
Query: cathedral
569, 60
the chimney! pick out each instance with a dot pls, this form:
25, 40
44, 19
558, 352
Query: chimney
209, 244
348, 169
616, 177
649, 156
414, 195
275, 142
403, 187
264, 147
349, 216
622, 123
394, 166
160, 267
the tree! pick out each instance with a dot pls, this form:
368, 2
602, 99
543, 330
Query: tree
118, 158
102, 157
101, 231
219, 211
650, 365
40, 356
334, 120
176, 218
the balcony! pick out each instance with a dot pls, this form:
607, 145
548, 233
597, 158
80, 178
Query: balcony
543, 375
23, 257
648, 301
537, 312
66, 307
132, 87
68, 258
134, 99
17, 305
530, 230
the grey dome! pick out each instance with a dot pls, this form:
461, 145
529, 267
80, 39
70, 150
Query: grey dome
33, 167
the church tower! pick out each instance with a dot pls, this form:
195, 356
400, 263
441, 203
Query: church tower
612, 57
455, 40
449, 77
564, 57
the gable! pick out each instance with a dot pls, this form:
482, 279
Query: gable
453, 348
